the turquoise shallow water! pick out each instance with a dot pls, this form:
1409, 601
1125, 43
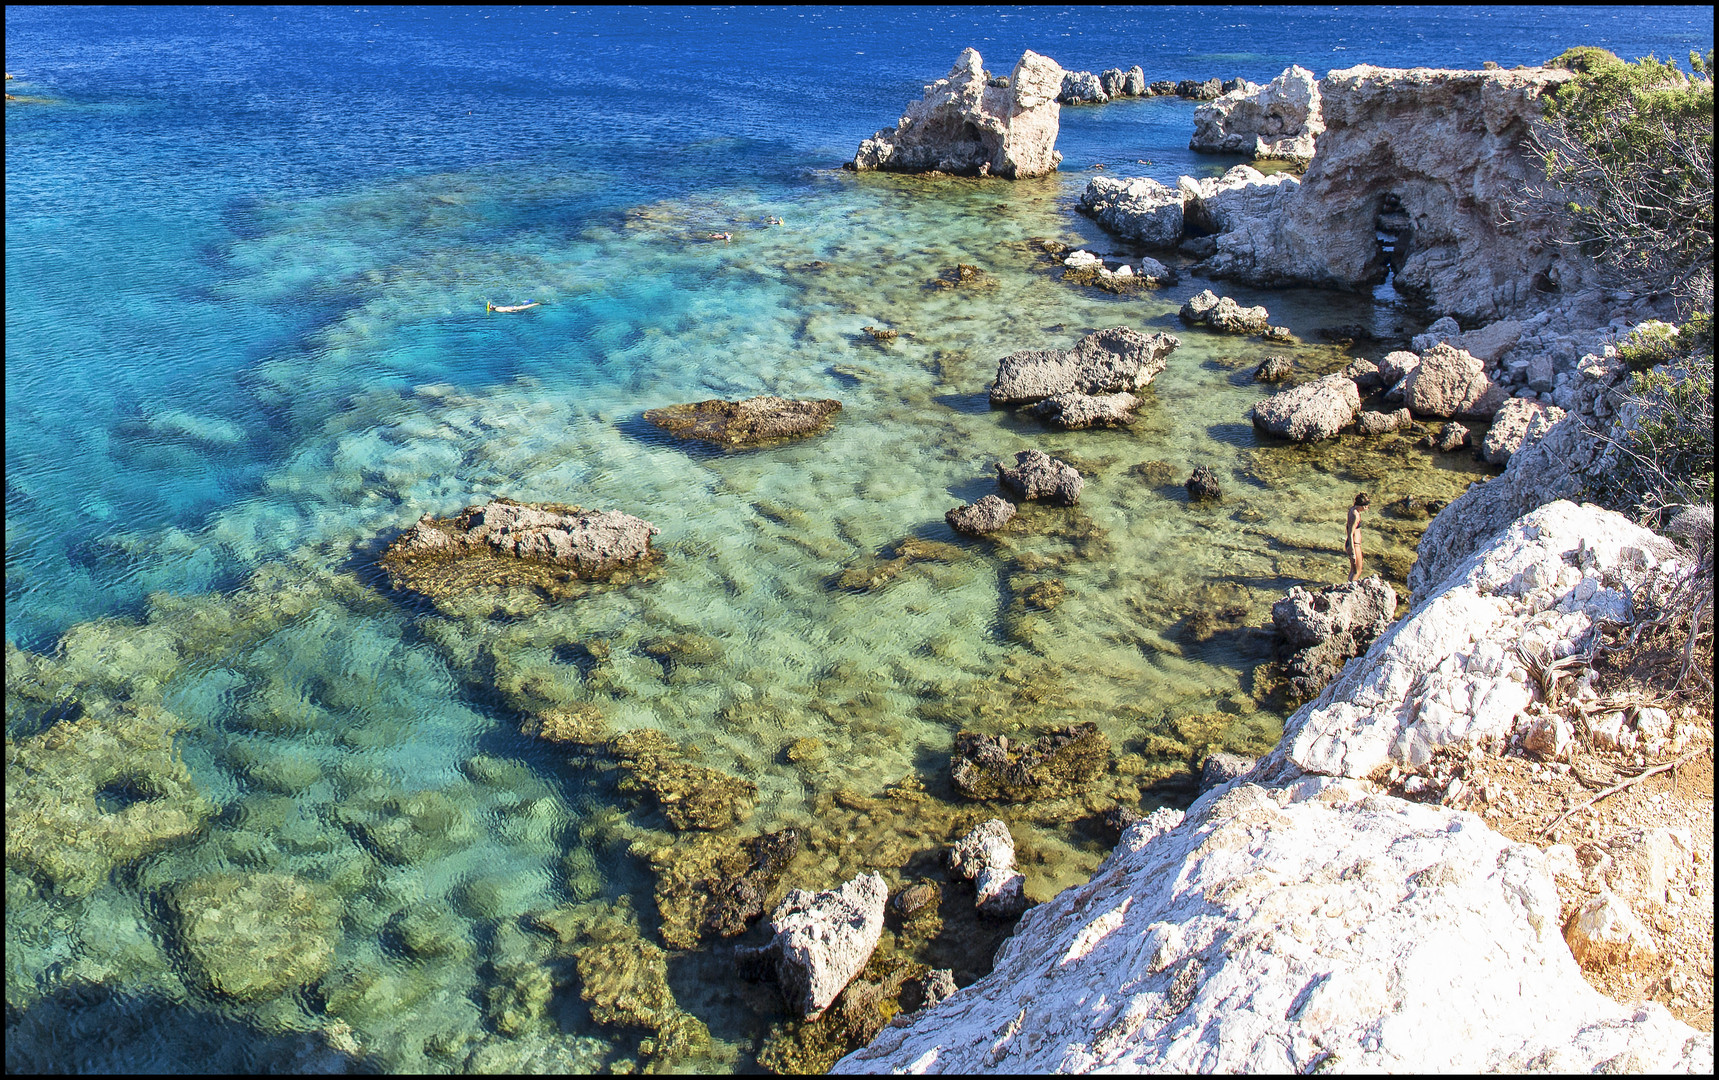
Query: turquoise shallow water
247, 344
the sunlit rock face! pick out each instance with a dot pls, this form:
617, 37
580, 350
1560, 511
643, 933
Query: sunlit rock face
1278, 121
970, 125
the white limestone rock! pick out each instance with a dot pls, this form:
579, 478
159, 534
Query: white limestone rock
1278, 121
965, 125
1081, 88
1448, 671
1283, 931
824, 939
1116, 360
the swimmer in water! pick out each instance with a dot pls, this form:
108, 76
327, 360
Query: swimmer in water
1352, 540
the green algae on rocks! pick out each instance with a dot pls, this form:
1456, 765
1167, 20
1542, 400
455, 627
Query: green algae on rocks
255, 936
510, 545
756, 421
1058, 764
691, 796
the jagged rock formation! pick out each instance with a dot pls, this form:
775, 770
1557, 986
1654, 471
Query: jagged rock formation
1103, 362
1449, 383
1139, 209
1432, 158
1223, 313
1053, 765
986, 857
823, 940
1322, 629
753, 422
1037, 475
509, 544
1072, 410
1294, 920
1278, 121
986, 515
966, 125
1449, 670
1517, 422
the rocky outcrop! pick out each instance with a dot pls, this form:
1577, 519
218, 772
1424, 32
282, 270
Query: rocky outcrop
967, 125
1382, 423
1273, 369
1450, 669
1085, 268
1517, 422
1449, 383
1311, 411
1223, 313
1559, 465
1037, 475
1279, 930
1072, 410
1197, 90
986, 857
822, 940
1488, 344
510, 544
1082, 88
1296, 919
1450, 438
1278, 121
1320, 630
1054, 765
987, 515
754, 422
1139, 209
1433, 158
1109, 361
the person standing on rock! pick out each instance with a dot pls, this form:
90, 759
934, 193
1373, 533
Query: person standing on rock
1352, 541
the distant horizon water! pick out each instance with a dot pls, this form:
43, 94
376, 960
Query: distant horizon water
259, 807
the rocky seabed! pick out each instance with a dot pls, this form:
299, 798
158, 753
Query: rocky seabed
1295, 918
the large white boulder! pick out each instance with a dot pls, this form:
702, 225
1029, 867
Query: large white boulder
1278, 121
1286, 931
965, 124
1139, 209
1311, 411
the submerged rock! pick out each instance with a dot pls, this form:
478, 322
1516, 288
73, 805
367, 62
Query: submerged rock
715, 885
822, 940
987, 515
876, 573
1054, 765
1312, 411
96, 793
1383, 423
966, 126
506, 544
1323, 629
691, 796
1037, 475
1117, 360
255, 936
752, 422
1452, 436
1273, 369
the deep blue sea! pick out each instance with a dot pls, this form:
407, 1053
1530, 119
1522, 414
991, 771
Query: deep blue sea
248, 253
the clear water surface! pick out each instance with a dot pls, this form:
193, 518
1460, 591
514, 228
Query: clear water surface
248, 255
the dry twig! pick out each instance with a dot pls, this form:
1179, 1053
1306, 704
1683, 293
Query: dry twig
1638, 778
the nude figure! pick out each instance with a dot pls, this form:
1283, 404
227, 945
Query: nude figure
1352, 540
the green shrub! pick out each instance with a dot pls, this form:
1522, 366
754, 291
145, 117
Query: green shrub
1665, 458
1630, 149
1650, 344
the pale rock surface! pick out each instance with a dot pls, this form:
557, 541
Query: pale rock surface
592, 541
1315, 410
1278, 121
824, 939
1395, 367
964, 125
1383, 423
1103, 362
1451, 383
1140, 209
1448, 671
1605, 931
1449, 147
1488, 344
1282, 931
1081, 88
1518, 422
986, 857
1073, 410
1241, 205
